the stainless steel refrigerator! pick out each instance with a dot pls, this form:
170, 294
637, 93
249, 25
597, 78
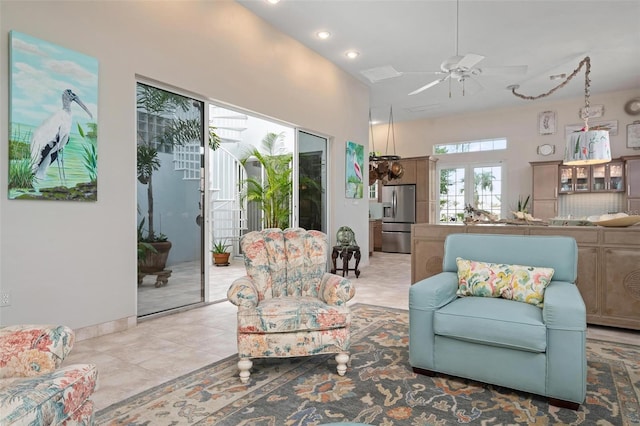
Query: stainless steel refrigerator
398, 214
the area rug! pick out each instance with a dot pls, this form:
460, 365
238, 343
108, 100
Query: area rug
378, 389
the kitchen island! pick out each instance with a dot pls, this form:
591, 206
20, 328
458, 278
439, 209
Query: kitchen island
608, 263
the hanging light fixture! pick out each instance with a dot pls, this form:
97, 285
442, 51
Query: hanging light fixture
384, 167
589, 145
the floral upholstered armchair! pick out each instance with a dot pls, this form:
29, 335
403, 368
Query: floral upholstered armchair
34, 388
288, 305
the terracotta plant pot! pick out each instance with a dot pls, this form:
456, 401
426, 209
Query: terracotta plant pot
155, 262
220, 258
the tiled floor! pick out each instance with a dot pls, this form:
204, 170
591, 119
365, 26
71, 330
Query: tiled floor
166, 347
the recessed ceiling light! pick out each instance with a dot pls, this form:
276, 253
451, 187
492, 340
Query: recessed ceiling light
352, 54
323, 35
273, 1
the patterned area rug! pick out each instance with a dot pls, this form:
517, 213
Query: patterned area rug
379, 388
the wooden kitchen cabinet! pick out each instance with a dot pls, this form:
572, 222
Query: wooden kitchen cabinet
632, 171
377, 235
544, 199
574, 179
409, 175
608, 177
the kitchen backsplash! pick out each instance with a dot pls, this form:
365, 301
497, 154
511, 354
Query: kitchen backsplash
582, 205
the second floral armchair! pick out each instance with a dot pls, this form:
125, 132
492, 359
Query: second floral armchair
288, 305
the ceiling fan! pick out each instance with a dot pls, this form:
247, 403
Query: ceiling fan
463, 68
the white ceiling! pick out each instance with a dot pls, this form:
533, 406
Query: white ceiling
550, 37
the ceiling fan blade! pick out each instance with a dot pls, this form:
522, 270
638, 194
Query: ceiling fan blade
469, 60
506, 70
427, 86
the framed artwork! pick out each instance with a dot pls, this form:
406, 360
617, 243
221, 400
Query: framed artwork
354, 185
610, 125
53, 127
633, 135
547, 123
595, 111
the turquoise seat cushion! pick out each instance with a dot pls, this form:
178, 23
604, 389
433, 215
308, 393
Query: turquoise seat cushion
495, 322
291, 314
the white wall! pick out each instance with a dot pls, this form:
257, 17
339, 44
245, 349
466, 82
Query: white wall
75, 263
520, 127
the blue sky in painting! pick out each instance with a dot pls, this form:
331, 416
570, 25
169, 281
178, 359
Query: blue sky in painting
40, 72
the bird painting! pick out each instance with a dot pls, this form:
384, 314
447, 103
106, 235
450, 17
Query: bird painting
50, 138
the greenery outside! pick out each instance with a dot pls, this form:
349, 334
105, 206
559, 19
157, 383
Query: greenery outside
273, 192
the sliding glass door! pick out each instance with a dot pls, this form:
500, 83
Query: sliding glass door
170, 129
312, 181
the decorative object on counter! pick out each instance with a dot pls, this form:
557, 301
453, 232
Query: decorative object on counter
546, 149
346, 237
618, 220
632, 107
522, 205
587, 146
386, 167
473, 215
547, 123
633, 135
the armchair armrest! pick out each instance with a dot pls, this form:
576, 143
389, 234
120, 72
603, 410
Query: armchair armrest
243, 292
32, 350
563, 307
425, 297
335, 290
433, 292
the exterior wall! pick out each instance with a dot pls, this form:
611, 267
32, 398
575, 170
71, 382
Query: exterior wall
75, 263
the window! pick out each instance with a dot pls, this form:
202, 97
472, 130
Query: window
470, 146
373, 191
477, 185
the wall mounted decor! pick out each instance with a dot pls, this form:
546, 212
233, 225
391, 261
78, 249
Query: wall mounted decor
53, 127
353, 170
610, 125
632, 107
633, 135
546, 149
547, 123
595, 111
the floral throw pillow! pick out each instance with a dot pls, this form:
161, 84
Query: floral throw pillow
514, 282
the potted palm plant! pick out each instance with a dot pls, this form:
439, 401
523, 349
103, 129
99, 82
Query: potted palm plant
219, 253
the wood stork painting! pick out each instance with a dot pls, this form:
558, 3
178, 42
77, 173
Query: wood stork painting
53, 127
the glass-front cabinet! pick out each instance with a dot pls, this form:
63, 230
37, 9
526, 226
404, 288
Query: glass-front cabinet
608, 177
574, 179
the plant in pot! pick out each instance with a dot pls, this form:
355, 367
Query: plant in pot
219, 253
162, 124
273, 192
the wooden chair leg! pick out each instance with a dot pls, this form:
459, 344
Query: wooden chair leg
342, 359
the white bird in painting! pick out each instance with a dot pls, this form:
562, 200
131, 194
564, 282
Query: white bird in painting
50, 138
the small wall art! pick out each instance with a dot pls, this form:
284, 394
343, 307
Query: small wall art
353, 171
610, 125
633, 135
53, 127
547, 123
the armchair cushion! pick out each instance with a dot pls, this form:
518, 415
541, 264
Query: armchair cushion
291, 314
495, 322
514, 282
